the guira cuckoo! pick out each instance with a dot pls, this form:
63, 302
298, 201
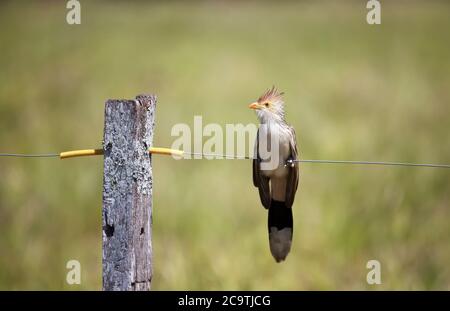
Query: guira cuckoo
276, 181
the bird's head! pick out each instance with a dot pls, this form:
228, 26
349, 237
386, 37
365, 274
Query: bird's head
270, 106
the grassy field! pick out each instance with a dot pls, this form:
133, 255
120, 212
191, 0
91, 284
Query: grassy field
353, 91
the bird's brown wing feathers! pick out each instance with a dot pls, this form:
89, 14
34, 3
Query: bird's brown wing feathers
259, 180
293, 176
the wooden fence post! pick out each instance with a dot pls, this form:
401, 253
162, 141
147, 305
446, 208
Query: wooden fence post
127, 194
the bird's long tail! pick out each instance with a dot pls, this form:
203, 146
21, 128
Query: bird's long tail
280, 226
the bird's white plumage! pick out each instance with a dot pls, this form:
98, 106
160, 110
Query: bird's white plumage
278, 174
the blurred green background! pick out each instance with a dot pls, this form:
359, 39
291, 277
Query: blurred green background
353, 91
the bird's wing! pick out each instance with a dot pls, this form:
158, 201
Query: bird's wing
259, 180
293, 176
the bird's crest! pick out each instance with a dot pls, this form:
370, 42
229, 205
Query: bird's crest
272, 95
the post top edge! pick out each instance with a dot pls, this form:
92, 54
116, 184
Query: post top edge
141, 98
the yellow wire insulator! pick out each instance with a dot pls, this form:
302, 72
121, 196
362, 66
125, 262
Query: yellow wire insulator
80, 153
91, 152
166, 151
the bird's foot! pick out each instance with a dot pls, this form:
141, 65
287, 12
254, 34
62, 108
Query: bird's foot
290, 163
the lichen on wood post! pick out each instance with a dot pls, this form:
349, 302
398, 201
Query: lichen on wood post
127, 194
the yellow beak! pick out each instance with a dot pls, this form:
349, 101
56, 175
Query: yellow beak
254, 105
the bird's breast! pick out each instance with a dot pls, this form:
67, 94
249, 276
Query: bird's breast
278, 150
280, 172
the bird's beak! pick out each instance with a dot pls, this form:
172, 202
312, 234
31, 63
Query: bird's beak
254, 105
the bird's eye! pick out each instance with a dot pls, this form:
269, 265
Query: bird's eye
266, 104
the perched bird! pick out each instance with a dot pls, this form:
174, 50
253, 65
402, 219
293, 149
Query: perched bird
277, 181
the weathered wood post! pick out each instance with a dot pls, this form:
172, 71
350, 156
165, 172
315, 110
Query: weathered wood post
127, 194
